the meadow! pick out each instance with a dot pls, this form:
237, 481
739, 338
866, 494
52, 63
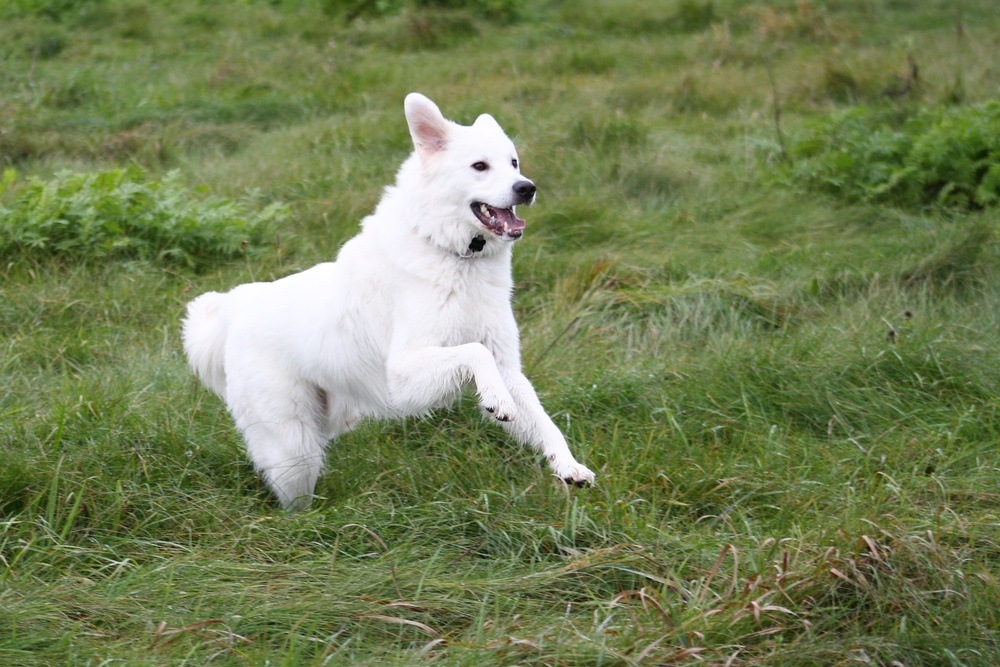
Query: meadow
760, 292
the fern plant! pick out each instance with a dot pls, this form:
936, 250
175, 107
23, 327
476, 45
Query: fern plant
123, 214
945, 157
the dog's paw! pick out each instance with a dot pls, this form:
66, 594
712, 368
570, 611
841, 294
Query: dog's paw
500, 414
575, 474
500, 407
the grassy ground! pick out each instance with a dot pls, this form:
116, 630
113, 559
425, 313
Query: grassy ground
791, 398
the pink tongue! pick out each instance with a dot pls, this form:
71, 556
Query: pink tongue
509, 221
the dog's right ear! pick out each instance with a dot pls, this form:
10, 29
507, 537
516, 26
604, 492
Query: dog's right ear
428, 128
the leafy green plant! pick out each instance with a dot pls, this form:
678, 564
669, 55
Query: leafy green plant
123, 214
496, 10
694, 16
352, 9
53, 9
948, 157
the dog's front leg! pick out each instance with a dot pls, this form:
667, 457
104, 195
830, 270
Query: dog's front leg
534, 427
421, 378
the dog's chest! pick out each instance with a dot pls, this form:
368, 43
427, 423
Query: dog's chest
468, 309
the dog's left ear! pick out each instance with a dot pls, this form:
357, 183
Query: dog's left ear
488, 121
428, 128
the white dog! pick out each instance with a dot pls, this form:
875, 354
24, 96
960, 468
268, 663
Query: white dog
416, 306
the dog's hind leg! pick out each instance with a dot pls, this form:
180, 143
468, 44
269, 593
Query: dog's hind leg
289, 456
285, 441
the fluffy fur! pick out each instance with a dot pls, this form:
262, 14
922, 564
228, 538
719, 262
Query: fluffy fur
415, 307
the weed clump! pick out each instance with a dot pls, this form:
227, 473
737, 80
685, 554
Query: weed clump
120, 214
945, 157
496, 10
694, 16
52, 9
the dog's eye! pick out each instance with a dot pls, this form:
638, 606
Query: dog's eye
513, 163
480, 166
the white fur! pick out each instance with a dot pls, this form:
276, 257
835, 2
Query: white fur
398, 325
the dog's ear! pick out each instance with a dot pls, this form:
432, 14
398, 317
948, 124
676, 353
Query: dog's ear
487, 121
428, 128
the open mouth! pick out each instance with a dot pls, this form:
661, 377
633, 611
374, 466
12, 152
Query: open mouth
500, 221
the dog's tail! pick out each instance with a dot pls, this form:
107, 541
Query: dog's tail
204, 331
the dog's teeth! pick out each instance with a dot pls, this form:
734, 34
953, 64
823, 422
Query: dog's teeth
484, 209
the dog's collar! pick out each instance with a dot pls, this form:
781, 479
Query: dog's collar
476, 245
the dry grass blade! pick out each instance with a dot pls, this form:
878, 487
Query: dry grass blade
165, 634
873, 548
404, 621
843, 577
371, 533
641, 655
706, 586
684, 654
644, 597
430, 646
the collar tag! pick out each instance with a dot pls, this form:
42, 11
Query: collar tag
477, 244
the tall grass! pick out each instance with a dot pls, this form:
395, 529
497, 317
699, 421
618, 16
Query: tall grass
789, 393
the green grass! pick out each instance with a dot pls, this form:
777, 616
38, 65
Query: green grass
792, 397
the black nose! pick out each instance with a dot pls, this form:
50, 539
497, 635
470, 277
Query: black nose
525, 191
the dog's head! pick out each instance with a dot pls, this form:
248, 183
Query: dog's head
470, 173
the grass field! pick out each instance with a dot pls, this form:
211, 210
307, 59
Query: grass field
783, 367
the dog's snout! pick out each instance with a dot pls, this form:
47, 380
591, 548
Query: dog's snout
525, 191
